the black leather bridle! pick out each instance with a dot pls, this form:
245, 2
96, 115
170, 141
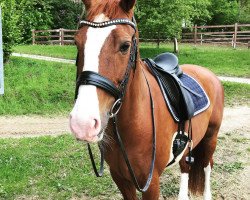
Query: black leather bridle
92, 78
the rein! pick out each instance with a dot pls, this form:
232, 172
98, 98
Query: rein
92, 78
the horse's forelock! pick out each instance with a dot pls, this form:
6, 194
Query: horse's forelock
110, 8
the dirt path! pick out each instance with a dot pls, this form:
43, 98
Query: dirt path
235, 119
32, 126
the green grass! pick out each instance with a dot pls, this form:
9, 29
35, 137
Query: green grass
50, 168
60, 168
67, 52
221, 60
47, 88
236, 94
37, 87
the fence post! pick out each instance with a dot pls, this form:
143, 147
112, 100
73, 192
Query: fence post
233, 41
1, 57
62, 36
235, 35
33, 36
195, 34
176, 47
201, 39
158, 40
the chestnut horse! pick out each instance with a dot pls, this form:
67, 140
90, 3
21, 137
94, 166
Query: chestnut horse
104, 51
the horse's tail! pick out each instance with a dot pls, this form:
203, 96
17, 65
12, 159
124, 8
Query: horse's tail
196, 181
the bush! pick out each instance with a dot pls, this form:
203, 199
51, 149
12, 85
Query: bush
11, 33
34, 14
18, 21
65, 14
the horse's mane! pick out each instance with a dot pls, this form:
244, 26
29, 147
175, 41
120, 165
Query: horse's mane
110, 8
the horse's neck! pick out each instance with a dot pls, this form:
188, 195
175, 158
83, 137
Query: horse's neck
136, 111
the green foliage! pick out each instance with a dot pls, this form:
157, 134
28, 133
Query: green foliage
158, 18
224, 11
244, 11
199, 13
164, 19
18, 21
11, 32
65, 14
33, 14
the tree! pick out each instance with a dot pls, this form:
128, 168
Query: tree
65, 14
33, 14
244, 11
198, 11
224, 12
164, 19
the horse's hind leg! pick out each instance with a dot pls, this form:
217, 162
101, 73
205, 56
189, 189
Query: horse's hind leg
197, 177
127, 188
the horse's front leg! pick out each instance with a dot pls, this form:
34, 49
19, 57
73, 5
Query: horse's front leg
153, 192
127, 188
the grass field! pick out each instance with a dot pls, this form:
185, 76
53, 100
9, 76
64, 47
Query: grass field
47, 167
37, 87
47, 88
221, 60
59, 168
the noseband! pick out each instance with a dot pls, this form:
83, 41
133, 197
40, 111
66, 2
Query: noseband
93, 78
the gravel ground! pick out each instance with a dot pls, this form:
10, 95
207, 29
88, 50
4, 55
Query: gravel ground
235, 119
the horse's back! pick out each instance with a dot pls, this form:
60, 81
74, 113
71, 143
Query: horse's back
213, 87
208, 80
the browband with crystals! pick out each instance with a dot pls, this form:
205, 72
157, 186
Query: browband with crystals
108, 23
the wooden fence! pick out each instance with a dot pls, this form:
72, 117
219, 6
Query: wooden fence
223, 34
58, 36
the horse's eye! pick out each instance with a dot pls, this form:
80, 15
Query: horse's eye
124, 47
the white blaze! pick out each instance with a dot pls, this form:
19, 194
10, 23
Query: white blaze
87, 104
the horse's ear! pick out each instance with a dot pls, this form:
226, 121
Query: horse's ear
87, 3
127, 5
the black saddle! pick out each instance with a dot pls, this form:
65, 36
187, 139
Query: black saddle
168, 62
166, 70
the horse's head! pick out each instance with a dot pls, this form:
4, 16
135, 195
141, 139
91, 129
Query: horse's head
103, 49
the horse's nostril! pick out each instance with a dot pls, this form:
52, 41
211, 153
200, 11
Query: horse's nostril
97, 123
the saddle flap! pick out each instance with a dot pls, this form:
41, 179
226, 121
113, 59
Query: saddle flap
178, 96
168, 62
